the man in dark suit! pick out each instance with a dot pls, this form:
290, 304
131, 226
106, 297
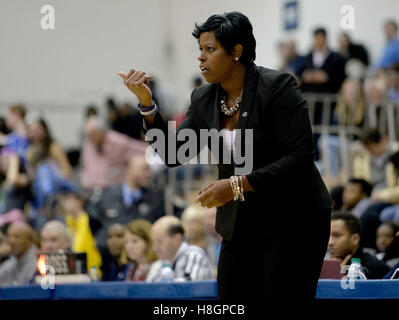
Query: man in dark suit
323, 72
126, 202
323, 69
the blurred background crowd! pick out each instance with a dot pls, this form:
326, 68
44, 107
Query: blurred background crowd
129, 216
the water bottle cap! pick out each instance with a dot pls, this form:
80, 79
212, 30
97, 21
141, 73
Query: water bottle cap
355, 260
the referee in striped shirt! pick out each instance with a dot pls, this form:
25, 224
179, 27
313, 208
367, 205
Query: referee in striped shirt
189, 263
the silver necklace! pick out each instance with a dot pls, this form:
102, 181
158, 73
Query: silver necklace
230, 111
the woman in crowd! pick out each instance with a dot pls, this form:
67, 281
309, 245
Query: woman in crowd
138, 249
388, 244
113, 267
48, 164
15, 187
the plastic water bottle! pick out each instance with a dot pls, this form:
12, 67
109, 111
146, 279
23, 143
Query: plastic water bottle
167, 274
355, 271
93, 274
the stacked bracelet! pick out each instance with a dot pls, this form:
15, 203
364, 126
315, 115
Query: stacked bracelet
237, 188
148, 111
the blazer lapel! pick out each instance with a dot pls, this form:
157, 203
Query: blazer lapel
250, 82
216, 113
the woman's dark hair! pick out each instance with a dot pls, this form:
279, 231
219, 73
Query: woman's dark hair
48, 139
230, 29
3, 126
40, 151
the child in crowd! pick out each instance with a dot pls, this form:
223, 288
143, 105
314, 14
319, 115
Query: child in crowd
77, 221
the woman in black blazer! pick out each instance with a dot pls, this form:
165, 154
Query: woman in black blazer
274, 215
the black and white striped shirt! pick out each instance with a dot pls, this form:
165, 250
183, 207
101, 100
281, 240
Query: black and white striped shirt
190, 263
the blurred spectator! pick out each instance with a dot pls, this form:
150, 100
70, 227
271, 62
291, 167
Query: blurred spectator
21, 266
17, 139
91, 111
112, 113
323, 72
323, 69
353, 53
336, 194
188, 262
351, 109
4, 131
356, 196
375, 89
393, 85
40, 136
113, 267
15, 185
292, 62
213, 239
390, 55
77, 221
128, 121
180, 116
5, 248
193, 221
54, 236
344, 244
163, 97
372, 165
376, 166
197, 82
128, 201
138, 248
49, 170
105, 155
388, 244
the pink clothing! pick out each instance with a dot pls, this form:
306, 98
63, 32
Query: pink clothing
108, 166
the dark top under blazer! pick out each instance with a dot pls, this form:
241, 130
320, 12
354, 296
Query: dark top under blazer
284, 177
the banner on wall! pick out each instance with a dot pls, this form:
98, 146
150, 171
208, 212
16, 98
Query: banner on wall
290, 15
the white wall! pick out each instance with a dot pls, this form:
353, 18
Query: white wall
76, 63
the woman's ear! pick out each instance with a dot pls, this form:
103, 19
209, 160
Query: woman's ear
237, 51
355, 239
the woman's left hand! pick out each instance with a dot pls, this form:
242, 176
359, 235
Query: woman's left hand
216, 194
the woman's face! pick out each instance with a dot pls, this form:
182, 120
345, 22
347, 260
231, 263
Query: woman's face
136, 247
36, 132
216, 64
115, 240
385, 237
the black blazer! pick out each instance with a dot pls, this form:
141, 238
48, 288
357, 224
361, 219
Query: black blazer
334, 66
284, 177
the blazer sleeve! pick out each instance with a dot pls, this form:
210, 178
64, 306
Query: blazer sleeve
167, 141
292, 130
